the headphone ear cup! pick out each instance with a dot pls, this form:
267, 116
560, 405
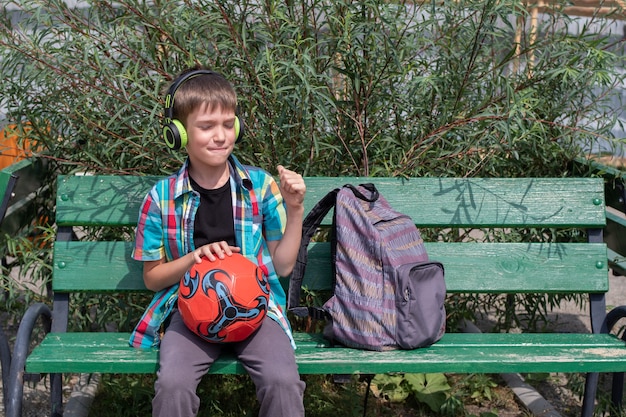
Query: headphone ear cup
239, 128
175, 135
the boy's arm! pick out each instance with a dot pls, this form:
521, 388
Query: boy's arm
285, 251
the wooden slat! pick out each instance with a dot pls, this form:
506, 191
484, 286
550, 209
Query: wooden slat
431, 202
484, 202
500, 267
96, 266
470, 267
460, 353
100, 200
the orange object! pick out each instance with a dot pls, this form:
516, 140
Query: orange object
10, 151
225, 300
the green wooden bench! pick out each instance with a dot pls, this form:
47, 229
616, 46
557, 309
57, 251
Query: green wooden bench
471, 267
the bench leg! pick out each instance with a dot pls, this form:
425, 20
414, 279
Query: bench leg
589, 399
617, 389
617, 392
56, 395
15, 386
5, 363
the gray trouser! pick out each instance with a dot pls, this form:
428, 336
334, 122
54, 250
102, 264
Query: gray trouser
267, 355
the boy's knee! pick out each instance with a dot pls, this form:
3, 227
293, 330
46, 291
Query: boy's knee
174, 382
285, 383
280, 375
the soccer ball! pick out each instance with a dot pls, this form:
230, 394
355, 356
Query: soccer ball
224, 301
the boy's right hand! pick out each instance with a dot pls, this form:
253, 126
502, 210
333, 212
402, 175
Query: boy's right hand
215, 250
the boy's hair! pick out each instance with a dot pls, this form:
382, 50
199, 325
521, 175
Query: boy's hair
212, 90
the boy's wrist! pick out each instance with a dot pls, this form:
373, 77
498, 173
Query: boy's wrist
296, 208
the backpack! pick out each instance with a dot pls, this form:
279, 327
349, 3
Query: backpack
387, 293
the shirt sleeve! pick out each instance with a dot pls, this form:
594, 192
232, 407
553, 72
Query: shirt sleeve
149, 243
274, 211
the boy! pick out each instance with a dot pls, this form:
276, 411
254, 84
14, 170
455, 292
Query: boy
213, 207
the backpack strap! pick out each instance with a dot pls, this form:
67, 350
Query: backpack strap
374, 194
309, 227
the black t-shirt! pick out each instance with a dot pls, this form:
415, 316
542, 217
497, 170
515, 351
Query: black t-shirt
214, 218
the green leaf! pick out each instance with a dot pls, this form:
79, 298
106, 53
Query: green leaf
390, 387
430, 389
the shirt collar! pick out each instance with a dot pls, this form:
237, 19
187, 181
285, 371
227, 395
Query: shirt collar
238, 173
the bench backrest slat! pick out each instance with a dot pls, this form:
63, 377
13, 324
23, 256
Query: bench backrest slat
470, 267
430, 202
485, 202
100, 200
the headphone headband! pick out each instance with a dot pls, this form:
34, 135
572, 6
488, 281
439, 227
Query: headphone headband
169, 97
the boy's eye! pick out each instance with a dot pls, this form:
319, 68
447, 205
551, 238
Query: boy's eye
209, 126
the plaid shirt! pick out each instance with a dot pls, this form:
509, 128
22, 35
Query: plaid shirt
165, 230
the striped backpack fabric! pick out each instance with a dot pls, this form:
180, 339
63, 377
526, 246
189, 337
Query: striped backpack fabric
387, 293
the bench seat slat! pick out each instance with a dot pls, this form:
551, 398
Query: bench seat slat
456, 352
431, 202
470, 267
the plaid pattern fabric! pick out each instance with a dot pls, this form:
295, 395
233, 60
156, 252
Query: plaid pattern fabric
165, 230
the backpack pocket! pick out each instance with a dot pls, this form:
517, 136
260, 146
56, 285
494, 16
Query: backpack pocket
420, 298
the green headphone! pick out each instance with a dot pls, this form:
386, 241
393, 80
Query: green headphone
174, 131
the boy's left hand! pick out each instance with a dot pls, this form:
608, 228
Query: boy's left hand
292, 186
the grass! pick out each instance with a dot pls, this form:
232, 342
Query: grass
233, 395
226, 395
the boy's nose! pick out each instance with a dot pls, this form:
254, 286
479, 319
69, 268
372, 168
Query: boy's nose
221, 135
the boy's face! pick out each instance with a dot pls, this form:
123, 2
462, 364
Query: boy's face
210, 136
